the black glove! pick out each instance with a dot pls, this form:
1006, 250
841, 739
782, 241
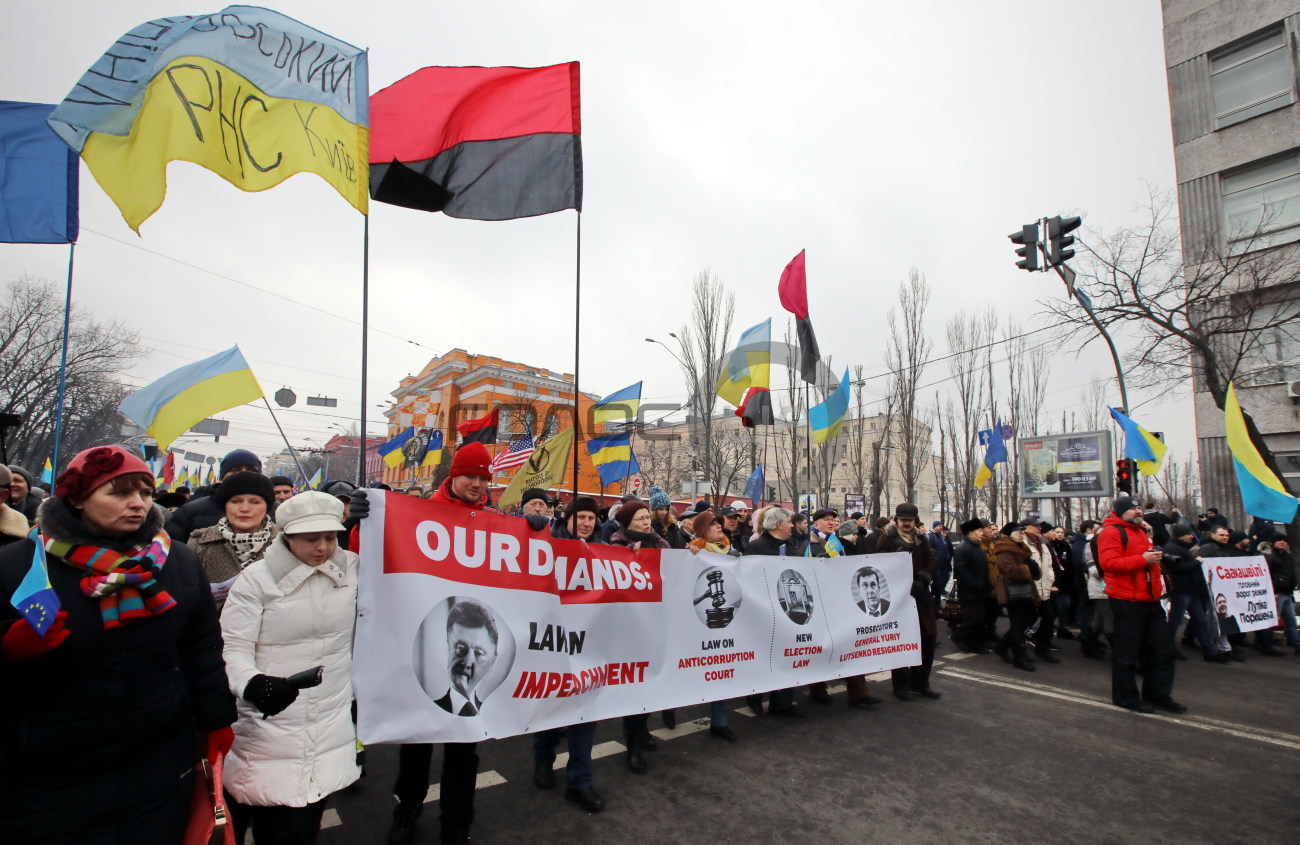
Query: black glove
270, 695
358, 505
537, 521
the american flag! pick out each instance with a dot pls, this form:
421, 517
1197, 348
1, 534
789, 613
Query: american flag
521, 449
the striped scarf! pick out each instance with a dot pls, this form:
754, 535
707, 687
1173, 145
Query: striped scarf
125, 583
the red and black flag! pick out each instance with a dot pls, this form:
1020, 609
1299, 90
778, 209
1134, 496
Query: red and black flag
793, 289
482, 143
480, 431
756, 408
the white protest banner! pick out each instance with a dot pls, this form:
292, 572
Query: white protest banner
472, 626
1241, 589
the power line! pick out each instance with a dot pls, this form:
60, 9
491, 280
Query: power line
250, 286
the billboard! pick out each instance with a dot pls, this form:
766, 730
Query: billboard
1063, 466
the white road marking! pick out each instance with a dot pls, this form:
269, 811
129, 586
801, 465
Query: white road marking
958, 655
330, 819
485, 779
1199, 722
682, 729
604, 749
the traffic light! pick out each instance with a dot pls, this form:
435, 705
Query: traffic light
1059, 240
1124, 475
1027, 238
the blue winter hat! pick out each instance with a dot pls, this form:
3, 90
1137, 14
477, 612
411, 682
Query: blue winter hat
239, 458
659, 499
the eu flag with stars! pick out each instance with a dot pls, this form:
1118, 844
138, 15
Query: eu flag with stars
34, 599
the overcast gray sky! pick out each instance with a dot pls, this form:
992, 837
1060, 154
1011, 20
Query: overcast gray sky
722, 135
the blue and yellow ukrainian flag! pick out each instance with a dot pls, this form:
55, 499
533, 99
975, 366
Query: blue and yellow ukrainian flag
1262, 492
827, 417
748, 365
995, 454
35, 599
613, 457
314, 484
433, 452
1140, 445
392, 452
248, 93
620, 405
172, 404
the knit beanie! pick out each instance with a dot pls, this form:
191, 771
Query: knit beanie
624, 515
581, 504
533, 493
659, 499
239, 458
471, 459
244, 484
93, 468
17, 470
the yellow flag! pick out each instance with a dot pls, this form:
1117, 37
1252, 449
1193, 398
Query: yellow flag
544, 470
199, 110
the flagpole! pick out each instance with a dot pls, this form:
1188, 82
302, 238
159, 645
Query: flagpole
63, 364
762, 497
365, 337
292, 452
807, 407
577, 349
631, 435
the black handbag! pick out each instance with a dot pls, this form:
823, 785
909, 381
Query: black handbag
951, 611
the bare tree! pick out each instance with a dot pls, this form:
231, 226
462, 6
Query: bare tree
664, 461
857, 441
906, 356
705, 341
970, 346
31, 332
882, 453
1218, 314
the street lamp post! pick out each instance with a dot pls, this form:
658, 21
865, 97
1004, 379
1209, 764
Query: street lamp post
692, 403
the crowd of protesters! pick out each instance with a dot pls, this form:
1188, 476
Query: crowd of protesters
187, 621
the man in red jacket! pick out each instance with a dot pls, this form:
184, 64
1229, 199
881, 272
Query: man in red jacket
466, 487
1134, 584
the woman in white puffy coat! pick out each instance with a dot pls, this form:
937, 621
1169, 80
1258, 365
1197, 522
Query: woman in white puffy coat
291, 611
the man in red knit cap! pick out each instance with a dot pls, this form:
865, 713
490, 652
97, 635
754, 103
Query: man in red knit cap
466, 487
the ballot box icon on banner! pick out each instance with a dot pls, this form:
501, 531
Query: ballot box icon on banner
795, 596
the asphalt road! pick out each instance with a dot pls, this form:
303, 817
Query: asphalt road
1004, 756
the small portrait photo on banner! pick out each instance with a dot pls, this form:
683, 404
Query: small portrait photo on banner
795, 596
716, 597
463, 651
870, 591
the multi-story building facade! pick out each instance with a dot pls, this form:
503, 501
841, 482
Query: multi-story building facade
461, 386
1235, 102
671, 456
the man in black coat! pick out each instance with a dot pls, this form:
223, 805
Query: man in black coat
773, 541
971, 569
1189, 595
905, 535
1222, 542
1160, 523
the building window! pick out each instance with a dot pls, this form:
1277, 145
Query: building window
1251, 78
1261, 204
